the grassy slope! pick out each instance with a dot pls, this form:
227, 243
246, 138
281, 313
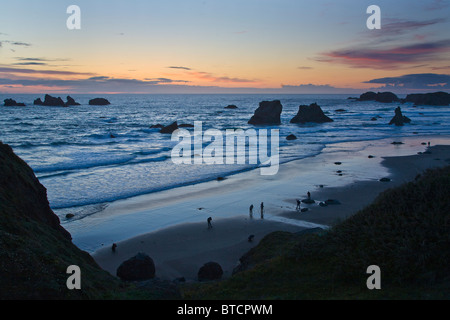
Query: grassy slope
35, 250
406, 232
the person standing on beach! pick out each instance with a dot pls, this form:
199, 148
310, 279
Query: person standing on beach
309, 195
209, 223
298, 205
251, 212
262, 210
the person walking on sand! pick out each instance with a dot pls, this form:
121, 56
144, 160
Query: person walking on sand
309, 195
298, 205
262, 210
209, 223
251, 212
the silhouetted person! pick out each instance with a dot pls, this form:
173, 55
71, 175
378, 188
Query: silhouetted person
113, 248
429, 143
250, 238
309, 195
251, 211
298, 205
262, 210
209, 223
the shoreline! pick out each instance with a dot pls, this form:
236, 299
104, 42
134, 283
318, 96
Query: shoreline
180, 249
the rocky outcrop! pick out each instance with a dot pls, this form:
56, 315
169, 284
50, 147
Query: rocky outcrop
35, 250
231, 106
138, 268
99, 102
17, 181
156, 126
384, 97
291, 137
311, 113
210, 271
71, 102
170, 128
50, 101
13, 103
268, 113
399, 119
431, 99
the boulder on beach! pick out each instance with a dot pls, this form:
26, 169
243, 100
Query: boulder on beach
71, 102
138, 268
311, 113
157, 126
13, 103
384, 97
99, 102
431, 99
268, 113
210, 271
170, 128
399, 119
231, 106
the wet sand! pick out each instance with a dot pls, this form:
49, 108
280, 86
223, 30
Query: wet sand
180, 250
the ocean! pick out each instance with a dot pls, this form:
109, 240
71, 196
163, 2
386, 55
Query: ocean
87, 156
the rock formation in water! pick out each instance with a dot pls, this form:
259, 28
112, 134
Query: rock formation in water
268, 113
311, 113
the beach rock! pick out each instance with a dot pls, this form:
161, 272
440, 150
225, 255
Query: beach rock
311, 113
370, 157
431, 99
291, 137
185, 125
210, 271
332, 202
338, 163
397, 143
70, 216
170, 128
268, 113
157, 126
399, 119
385, 180
308, 201
221, 178
384, 97
71, 102
231, 106
138, 268
374, 119
99, 102
340, 110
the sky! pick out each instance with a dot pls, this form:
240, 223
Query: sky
216, 46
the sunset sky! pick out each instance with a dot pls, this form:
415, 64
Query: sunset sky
210, 46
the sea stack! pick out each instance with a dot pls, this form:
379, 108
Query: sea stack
99, 102
170, 128
311, 113
13, 103
399, 119
268, 113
